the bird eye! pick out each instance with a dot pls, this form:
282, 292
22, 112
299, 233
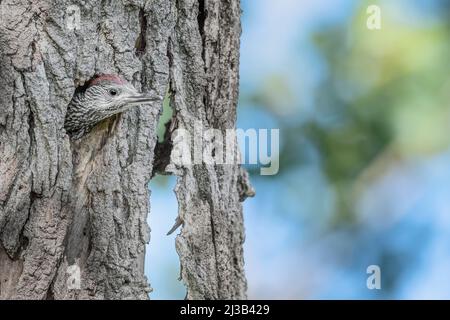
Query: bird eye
113, 92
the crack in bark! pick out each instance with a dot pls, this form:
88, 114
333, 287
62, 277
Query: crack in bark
201, 19
141, 42
162, 152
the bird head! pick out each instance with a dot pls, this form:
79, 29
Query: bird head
102, 97
110, 95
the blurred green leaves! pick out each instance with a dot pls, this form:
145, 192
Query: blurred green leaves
276, 94
384, 97
164, 118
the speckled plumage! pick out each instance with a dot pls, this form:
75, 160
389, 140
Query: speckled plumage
104, 96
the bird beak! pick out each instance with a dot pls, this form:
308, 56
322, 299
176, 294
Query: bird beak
142, 99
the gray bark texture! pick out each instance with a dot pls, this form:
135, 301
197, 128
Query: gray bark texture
81, 206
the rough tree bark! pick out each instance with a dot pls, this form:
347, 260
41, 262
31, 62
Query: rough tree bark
69, 206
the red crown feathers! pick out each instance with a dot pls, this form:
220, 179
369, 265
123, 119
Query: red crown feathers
106, 78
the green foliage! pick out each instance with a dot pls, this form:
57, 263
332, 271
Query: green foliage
384, 98
165, 118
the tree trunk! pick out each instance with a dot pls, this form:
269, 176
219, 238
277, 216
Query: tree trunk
73, 213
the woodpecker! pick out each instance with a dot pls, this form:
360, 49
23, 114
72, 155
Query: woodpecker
102, 97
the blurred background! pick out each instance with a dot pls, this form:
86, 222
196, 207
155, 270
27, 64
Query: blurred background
364, 153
